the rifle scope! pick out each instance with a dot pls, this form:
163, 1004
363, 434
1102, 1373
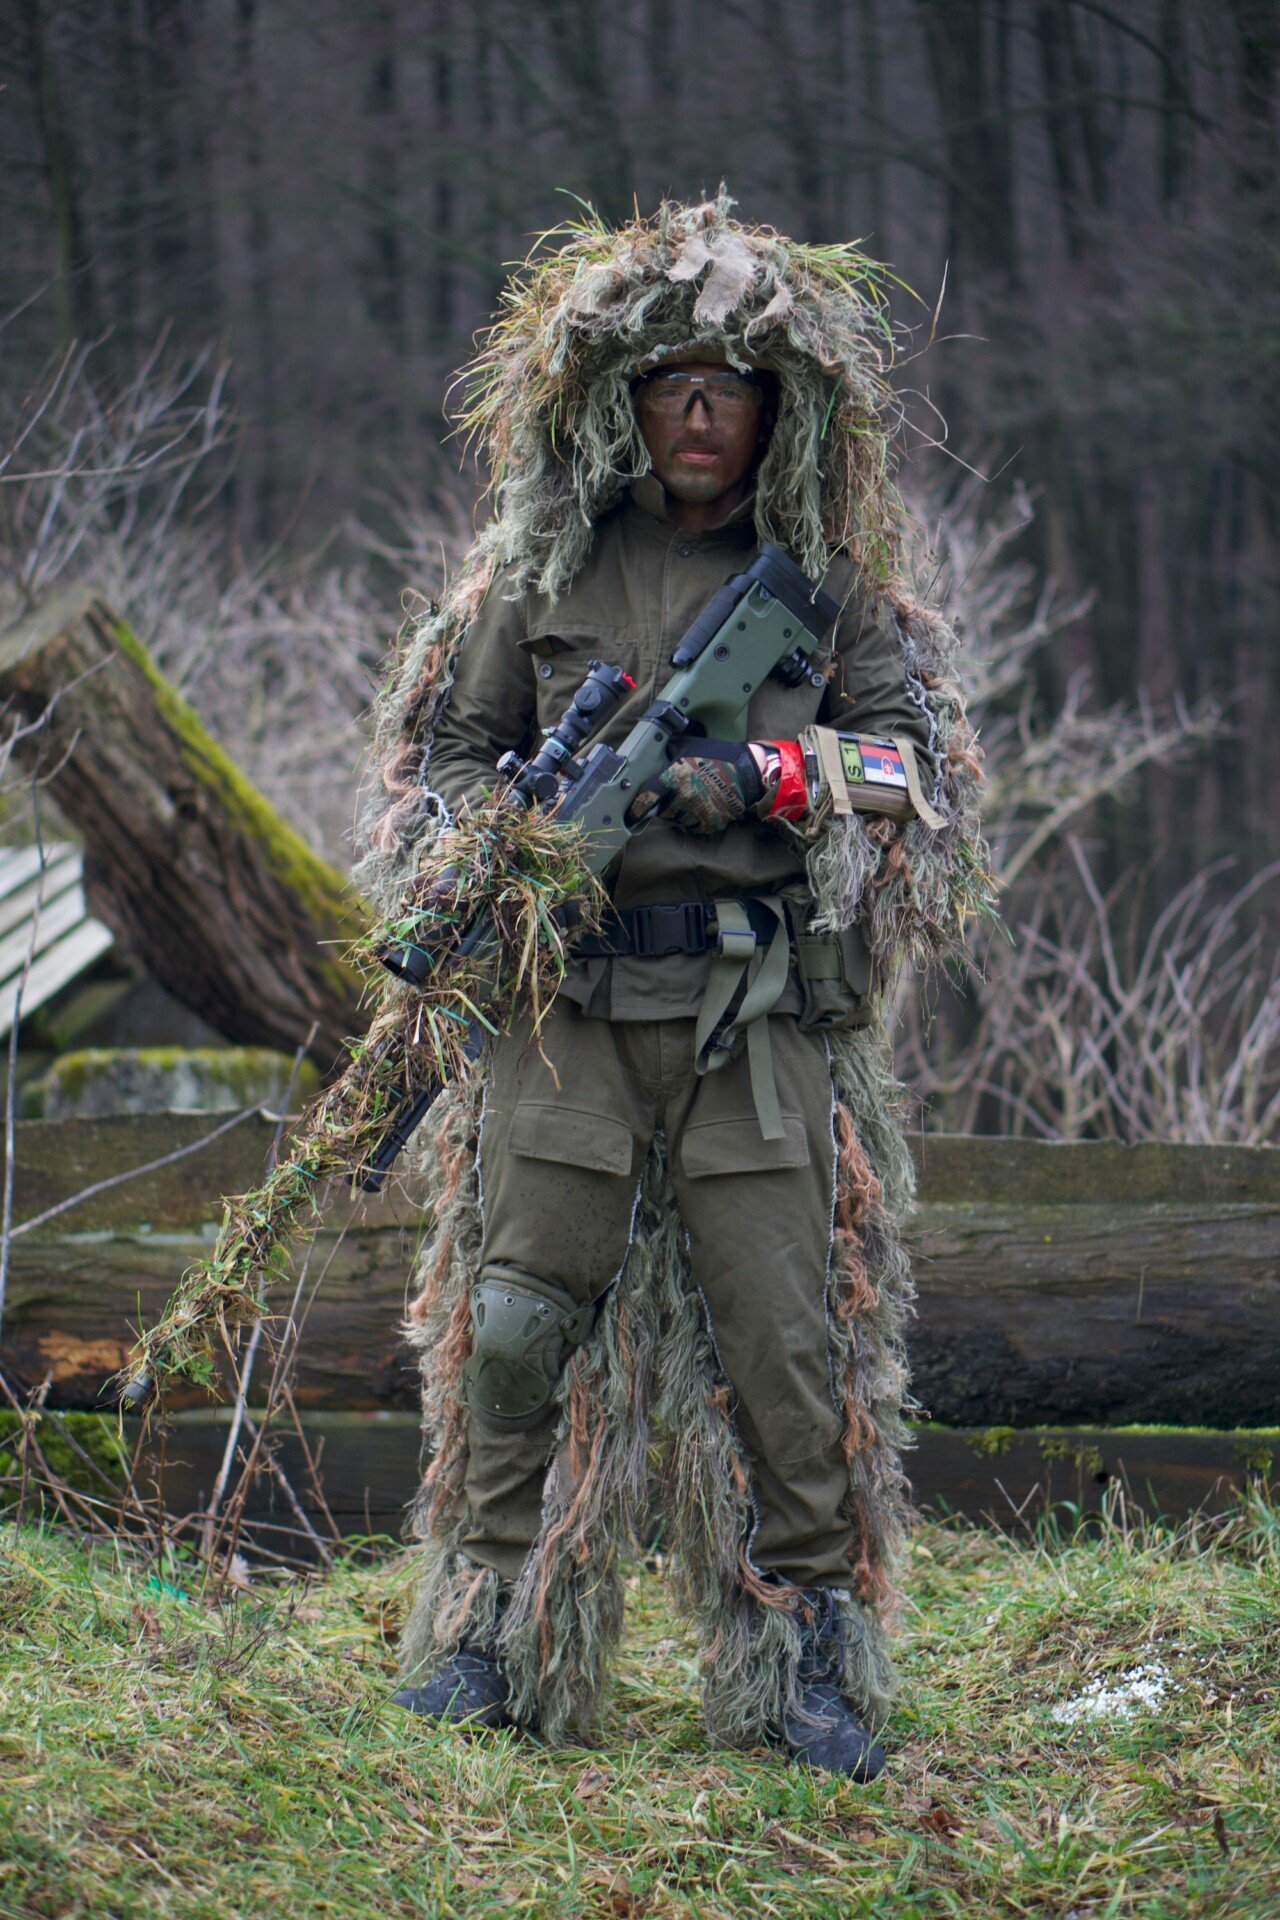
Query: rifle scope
538, 780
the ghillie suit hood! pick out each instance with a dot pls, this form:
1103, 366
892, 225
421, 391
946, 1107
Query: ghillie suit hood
548, 399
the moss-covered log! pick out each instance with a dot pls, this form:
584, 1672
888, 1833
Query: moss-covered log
1068, 1284
371, 1467
1098, 1282
184, 859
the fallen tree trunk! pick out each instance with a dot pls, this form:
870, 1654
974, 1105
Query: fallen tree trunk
372, 1468
1059, 1285
184, 859
1092, 1282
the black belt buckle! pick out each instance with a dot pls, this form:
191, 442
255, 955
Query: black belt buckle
661, 930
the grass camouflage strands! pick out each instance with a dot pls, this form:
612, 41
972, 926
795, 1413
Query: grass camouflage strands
513, 867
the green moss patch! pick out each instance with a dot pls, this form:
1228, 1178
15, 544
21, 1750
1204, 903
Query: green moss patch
83, 1449
104, 1080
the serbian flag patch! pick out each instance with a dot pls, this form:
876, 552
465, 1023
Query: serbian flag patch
872, 762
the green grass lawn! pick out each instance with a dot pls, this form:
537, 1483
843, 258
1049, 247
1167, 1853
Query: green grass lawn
160, 1755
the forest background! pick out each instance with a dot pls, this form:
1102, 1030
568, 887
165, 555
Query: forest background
246, 244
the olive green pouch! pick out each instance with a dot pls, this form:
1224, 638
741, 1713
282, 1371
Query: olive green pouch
835, 976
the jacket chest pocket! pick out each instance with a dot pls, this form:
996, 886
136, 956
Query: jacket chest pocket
560, 663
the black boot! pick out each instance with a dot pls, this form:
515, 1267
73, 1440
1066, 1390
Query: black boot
469, 1689
826, 1732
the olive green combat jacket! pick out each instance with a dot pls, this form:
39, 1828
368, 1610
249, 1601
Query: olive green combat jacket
641, 587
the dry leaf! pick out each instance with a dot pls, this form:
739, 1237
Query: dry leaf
617, 1899
733, 270
690, 260
779, 307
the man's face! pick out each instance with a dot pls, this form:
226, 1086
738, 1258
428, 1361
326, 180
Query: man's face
703, 425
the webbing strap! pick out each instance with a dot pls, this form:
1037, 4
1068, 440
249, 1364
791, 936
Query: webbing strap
759, 977
914, 788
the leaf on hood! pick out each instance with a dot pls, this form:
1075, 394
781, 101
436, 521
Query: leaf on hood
734, 267
778, 309
692, 257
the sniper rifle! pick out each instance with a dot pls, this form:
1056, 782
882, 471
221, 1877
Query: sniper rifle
765, 621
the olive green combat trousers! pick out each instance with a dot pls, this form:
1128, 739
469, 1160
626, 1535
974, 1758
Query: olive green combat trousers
560, 1167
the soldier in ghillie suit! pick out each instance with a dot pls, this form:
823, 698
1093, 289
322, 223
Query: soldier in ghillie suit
706, 1248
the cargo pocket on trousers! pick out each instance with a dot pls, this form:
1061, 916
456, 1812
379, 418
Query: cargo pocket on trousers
738, 1146
570, 1137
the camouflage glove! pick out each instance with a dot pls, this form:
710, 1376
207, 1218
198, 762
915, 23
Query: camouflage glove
703, 792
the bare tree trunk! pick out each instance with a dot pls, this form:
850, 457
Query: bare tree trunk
873, 106
803, 98
829, 29
1174, 89
260, 271
663, 104
384, 302
127, 290
167, 118
1258, 42
966, 42
577, 33
486, 127
1071, 118
442, 78
77, 306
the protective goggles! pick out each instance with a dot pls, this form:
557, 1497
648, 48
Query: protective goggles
670, 394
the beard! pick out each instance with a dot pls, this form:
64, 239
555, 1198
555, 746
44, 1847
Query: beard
695, 484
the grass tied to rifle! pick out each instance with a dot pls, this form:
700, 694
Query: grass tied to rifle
513, 867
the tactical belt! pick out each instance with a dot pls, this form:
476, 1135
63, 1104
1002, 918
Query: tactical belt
651, 933
689, 926
753, 941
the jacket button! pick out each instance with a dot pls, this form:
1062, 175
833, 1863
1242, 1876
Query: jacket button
546, 670
684, 552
